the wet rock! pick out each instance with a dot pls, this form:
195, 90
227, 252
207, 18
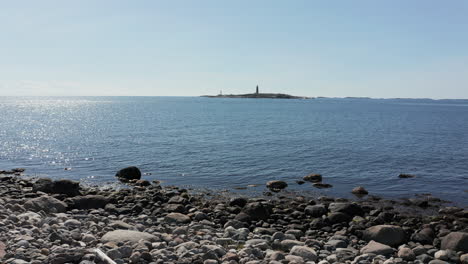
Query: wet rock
313, 178
359, 191
457, 241
322, 185
129, 173
406, 176
386, 234
119, 236
377, 248
47, 204
276, 185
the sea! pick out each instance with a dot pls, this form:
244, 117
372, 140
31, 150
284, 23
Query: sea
238, 145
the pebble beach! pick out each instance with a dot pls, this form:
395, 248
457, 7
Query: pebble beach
60, 221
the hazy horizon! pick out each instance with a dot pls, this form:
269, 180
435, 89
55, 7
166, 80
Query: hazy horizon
396, 49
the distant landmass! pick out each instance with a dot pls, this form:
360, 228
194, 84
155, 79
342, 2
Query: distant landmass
257, 94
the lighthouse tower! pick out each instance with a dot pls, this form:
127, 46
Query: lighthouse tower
257, 90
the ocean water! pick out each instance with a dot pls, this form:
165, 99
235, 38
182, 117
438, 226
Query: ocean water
228, 143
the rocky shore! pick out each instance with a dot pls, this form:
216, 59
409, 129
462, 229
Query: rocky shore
47, 221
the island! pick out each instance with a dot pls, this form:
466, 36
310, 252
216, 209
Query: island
257, 94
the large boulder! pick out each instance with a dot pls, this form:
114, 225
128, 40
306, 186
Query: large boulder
377, 248
47, 204
276, 185
67, 187
129, 173
257, 211
88, 202
127, 235
456, 241
351, 209
386, 234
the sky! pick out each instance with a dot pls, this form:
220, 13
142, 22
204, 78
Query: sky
382, 49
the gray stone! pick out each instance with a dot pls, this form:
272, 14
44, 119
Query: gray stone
126, 235
72, 223
457, 241
288, 244
464, 259
386, 234
337, 243
47, 204
315, 210
177, 218
406, 253
377, 248
307, 253
114, 254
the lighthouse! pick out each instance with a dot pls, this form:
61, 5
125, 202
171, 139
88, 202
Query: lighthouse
257, 90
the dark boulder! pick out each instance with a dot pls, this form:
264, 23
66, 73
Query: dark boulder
406, 176
238, 201
313, 178
67, 187
315, 210
338, 217
88, 202
322, 185
276, 185
425, 236
129, 173
257, 211
359, 191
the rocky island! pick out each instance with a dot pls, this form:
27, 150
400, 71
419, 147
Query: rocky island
258, 95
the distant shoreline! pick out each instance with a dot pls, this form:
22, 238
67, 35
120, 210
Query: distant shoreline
258, 96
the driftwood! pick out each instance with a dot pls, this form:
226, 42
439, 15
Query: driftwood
103, 256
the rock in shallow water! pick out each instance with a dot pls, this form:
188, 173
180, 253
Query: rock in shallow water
313, 178
276, 185
129, 173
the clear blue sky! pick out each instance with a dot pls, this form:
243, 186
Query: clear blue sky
396, 48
